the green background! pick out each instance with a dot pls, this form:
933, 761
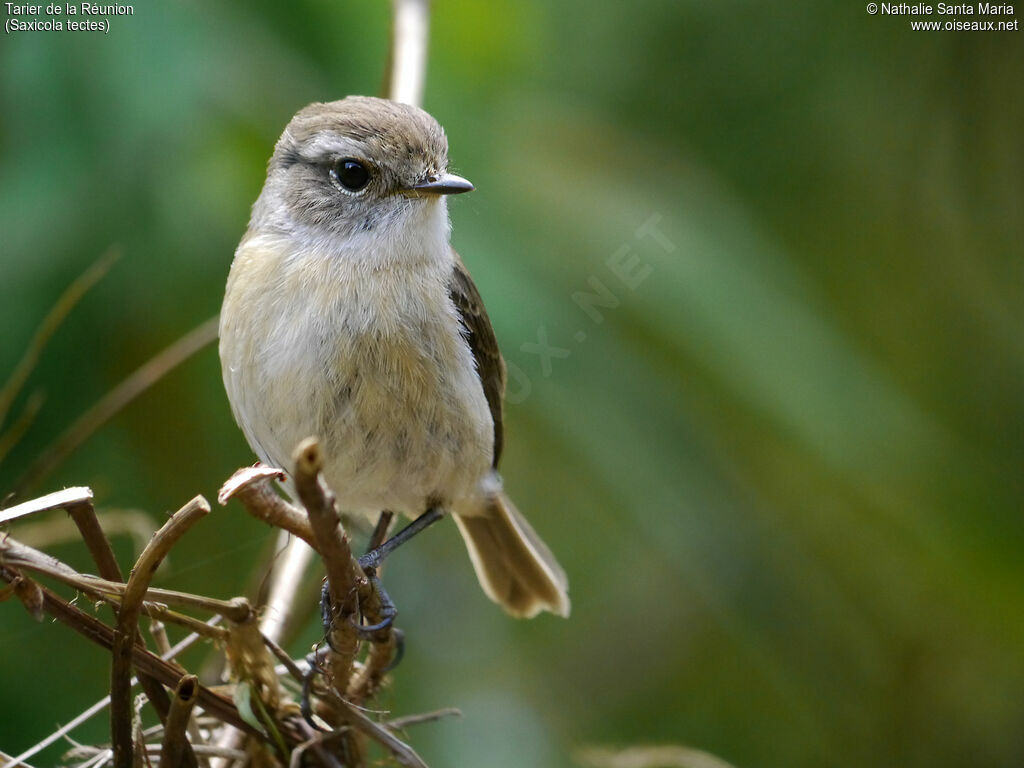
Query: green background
784, 473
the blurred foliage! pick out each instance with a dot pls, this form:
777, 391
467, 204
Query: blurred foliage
783, 472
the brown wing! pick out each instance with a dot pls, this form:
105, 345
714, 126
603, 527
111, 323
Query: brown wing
484, 346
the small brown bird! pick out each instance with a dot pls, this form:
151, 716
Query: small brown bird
349, 316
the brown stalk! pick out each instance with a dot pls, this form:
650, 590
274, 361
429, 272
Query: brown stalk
402, 752
407, 63
102, 553
400, 723
160, 612
18, 555
100, 705
365, 683
343, 573
237, 609
282, 655
167, 673
57, 500
175, 743
127, 621
384, 643
250, 662
251, 486
158, 631
55, 530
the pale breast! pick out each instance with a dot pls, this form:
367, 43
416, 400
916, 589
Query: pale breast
372, 362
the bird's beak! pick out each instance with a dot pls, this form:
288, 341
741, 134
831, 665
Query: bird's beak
439, 184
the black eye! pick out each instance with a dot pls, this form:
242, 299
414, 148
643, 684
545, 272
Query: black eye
351, 174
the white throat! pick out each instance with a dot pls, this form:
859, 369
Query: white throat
413, 238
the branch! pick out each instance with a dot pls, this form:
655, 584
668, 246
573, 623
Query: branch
60, 500
251, 486
127, 621
174, 746
400, 723
99, 546
168, 674
401, 751
99, 706
385, 642
408, 61
102, 553
22, 556
343, 572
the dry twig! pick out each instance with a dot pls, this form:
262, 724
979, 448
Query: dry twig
251, 486
96, 708
343, 572
175, 747
408, 60
127, 621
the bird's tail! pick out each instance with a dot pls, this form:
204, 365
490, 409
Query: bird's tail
515, 568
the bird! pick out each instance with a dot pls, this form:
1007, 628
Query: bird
349, 316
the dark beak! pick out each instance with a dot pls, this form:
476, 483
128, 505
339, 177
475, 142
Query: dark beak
440, 184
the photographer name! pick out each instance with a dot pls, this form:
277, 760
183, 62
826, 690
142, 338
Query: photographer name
945, 9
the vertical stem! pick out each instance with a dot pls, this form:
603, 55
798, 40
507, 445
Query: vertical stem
174, 744
103, 554
409, 35
127, 620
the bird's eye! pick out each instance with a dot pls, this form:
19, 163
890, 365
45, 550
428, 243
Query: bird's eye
350, 174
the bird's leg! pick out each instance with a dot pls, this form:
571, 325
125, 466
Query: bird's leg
370, 562
380, 532
387, 605
366, 631
305, 704
326, 613
375, 557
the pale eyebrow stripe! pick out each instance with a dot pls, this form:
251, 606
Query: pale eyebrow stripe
328, 145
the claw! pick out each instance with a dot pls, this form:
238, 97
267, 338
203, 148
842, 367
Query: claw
369, 563
307, 688
366, 630
387, 610
399, 650
327, 614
